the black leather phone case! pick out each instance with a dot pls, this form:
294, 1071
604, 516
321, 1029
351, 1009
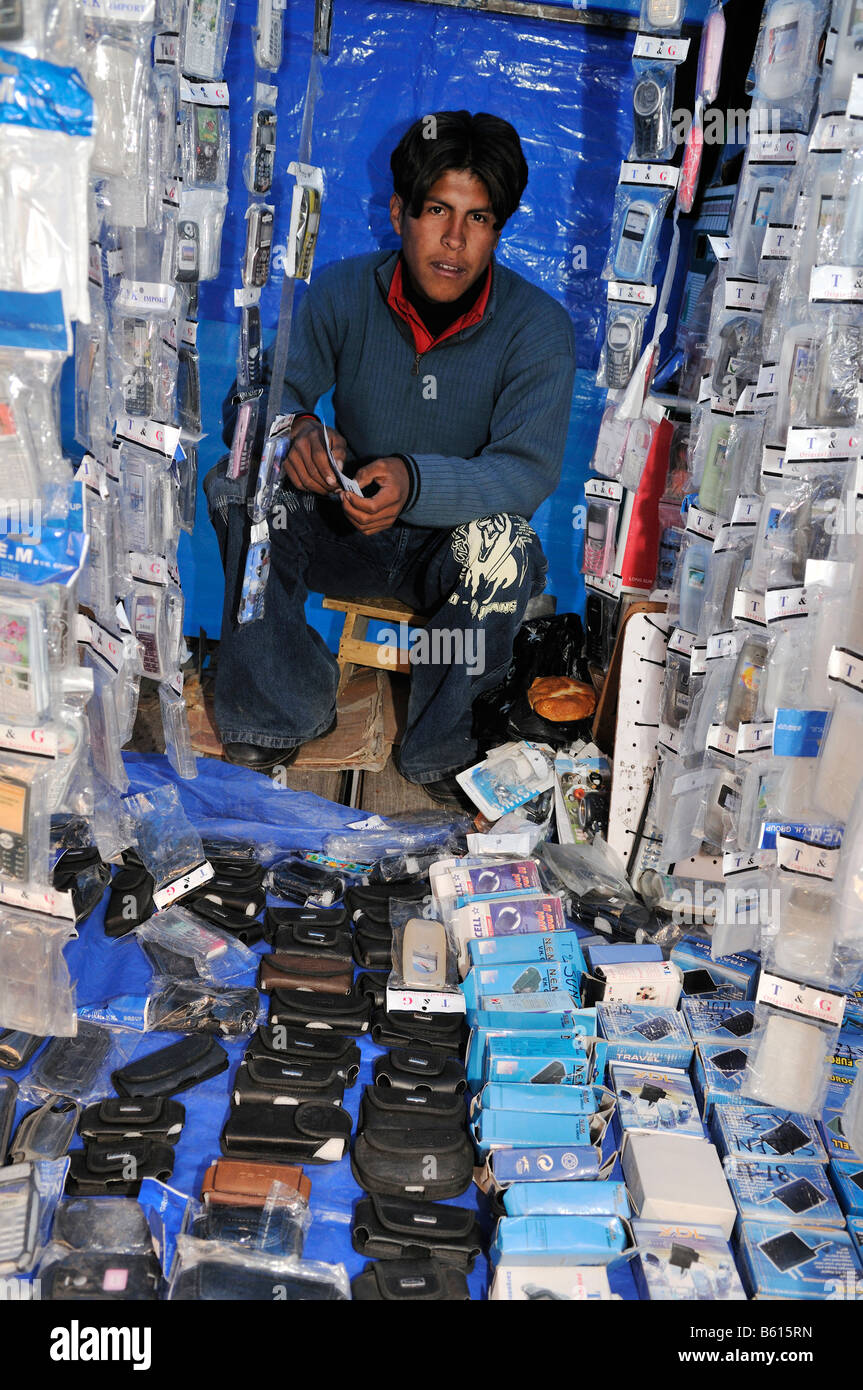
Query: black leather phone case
172, 1069
382, 1108
155, 1118
70, 1066
373, 983
305, 1133
242, 925
277, 917
86, 1276
16, 1048
372, 952
374, 899
102, 1169
266, 1080
284, 1044
410, 1281
130, 901
420, 1069
305, 939
116, 1223
297, 1008
8, 1101
398, 1163
396, 1228
408, 1029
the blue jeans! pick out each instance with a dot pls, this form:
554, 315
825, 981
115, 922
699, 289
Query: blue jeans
276, 680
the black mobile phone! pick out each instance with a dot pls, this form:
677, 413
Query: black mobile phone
14, 839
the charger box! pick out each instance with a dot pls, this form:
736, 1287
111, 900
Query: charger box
717, 1074
847, 1176
757, 1131
655, 1100
516, 1283
718, 1020
542, 1099
559, 1240
685, 1263
622, 953
645, 1034
554, 1012
535, 948
678, 1179
788, 1193
855, 1230
522, 977
495, 1129
797, 1261
634, 982
730, 977
567, 1199
553, 1163
565, 1044
832, 1132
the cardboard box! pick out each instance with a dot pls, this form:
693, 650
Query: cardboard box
847, 1178
562, 946
772, 1191
718, 1020
543, 1099
655, 1100
730, 977
521, 977
797, 1262
559, 1240
531, 1283
757, 1131
678, 1179
645, 1034
685, 1263
575, 1044
567, 1199
553, 1163
718, 1073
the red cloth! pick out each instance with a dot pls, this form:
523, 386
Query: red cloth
423, 340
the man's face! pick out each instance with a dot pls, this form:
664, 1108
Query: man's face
449, 246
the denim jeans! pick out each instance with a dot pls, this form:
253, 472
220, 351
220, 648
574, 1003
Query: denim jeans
276, 681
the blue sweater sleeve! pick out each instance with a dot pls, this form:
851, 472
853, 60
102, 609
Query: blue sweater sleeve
520, 465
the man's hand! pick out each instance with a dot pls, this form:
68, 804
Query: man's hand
307, 465
373, 514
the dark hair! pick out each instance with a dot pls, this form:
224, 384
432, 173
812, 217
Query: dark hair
485, 145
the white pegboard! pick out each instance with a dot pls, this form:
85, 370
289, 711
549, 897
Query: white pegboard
642, 674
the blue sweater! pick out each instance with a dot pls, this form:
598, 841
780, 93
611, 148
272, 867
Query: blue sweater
481, 417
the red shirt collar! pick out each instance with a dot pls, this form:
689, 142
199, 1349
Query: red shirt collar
423, 340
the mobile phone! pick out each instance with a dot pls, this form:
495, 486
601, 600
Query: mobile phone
424, 954
650, 111
11, 20
205, 150
696, 567
263, 150
24, 691
596, 540
200, 58
622, 335
189, 388
137, 383
144, 618
307, 231
259, 241
268, 36
737, 360
631, 256
665, 14
14, 836
188, 258
250, 345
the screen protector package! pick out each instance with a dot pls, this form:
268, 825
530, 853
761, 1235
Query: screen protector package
640, 205
36, 993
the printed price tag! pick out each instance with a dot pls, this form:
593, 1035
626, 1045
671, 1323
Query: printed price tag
670, 738
622, 292
172, 191
800, 999
773, 461
830, 284
745, 295
604, 487
698, 660
610, 584
665, 49
108, 645
812, 861
179, 887
435, 1003
846, 667
832, 135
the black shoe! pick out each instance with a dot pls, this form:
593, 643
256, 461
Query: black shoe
448, 792
260, 759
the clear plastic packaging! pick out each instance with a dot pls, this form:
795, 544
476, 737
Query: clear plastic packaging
839, 770
847, 21
425, 957
178, 741
217, 957
205, 207
205, 1270
786, 65
185, 1006
801, 946
852, 1115
652, 106
736, 352
36, 992
511, 775
24, 821
662, 17
760, 193
205, 34
600, 537
408, 833
711, 464
116, 70
691, 581
79, 1068
788, 1061
167, 842
638, 213
205, 144
260, 162
621, 345
267, 35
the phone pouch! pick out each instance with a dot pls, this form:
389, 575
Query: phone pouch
112, 1223
81, 873
416, 1069
8, 1101
383, 1108
410, 1281
372, 953
297, 1008
117, 1169
277, 917
157, 1119
233, 1182
172, 1069
395, 1228
131, 900
216, 1280
45, 1133
273, 1080
305, 1133
318, 974
408, 1029
374, 984
70, 1066
307, 1047
16, 1048
397, 1163
184, 1006
302, 940
236, 875
374, 899
19, 1218
102, 1278
243, 925
274, 1232
371, 930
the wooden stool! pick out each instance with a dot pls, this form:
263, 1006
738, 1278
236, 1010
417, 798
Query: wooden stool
353, 646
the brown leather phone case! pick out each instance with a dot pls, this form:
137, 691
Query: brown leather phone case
239, 1183
312, 972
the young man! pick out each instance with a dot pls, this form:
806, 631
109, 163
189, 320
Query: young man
453, 382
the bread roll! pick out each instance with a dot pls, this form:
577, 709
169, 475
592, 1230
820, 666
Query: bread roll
561, 699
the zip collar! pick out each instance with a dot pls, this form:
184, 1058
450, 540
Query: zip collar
389, 283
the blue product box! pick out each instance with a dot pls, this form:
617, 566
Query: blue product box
796, 1261
554, 1012
486, 880
620, 953
855, 1230
559, 1240
685, 1263
542, 1099
718, 1020
567, 1199
522, 977
718, 1074
729, 977
541, 1070
845, 1062
522, 1042
757, 1131
790, 1193
645, 1033
655, 1099
514, 1128
553, 1163
832, 1132
562, 946
847, 1176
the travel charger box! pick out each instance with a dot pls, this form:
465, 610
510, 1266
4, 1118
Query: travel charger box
655, 1099
832, 1131
522, 977
543, 1099
533, 949
775, 1191
678, 1179
797, 1261
845, 1064
554, 1012
645, 1034
757, 1131
847, 1177
559, 1240
685, 1263
730, 977
517, 1283
567, 1199
634, 982
494, 1129
575, 1048
718, 1020
717, 1074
